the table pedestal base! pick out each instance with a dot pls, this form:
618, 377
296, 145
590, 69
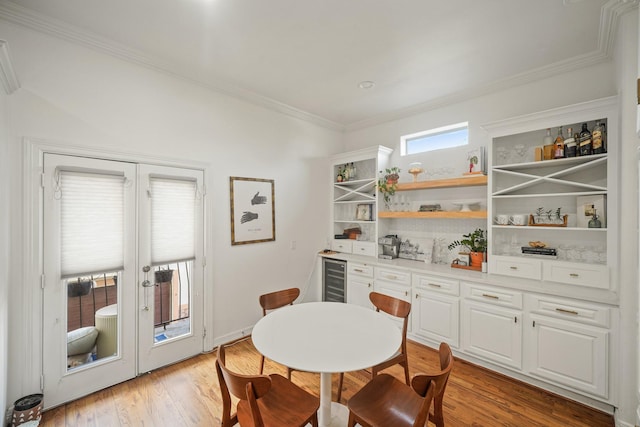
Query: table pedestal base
339, 416
330, 413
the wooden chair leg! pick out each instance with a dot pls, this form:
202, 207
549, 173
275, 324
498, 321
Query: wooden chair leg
406, 373
314, 420
289, 374
352, 420
438, 417
261, 364
340, 387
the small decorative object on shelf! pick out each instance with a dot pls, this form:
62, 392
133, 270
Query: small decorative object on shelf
475, 162
476, 243
548, 218
595, 222
415, 169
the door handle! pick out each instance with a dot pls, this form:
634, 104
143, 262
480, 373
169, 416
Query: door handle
147, 284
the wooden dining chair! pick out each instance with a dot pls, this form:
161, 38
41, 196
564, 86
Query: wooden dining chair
264, 401
386, 402
440, 380
272, 301
397, 308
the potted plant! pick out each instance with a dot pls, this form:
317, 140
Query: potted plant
476, 244
388, 183
79, 287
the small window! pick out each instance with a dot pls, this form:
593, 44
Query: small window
435, 139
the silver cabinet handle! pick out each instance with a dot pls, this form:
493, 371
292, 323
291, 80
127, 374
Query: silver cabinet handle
358, 270
435, 285
513, 267
574, 275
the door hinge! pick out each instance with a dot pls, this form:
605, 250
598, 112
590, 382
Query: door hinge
42, 179
204, 190
42, 281
42, 382
534, 324
204, 332
204, 261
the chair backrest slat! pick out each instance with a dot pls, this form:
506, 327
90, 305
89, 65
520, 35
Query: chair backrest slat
278, 299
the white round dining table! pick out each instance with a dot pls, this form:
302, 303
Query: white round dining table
327, 337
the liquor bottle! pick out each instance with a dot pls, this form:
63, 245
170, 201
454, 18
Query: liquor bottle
598, 139
547, 140
558, 146
570, 146
584, 143
353, 171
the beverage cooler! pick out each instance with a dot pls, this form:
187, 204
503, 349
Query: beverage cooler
334, 280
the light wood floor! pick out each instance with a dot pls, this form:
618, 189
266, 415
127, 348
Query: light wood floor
187, 394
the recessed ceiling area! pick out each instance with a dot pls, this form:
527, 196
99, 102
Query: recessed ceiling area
313, 57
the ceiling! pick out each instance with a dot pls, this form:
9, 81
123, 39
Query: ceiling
307, 58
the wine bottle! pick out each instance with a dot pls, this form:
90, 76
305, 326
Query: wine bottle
585, 143
558, 148
597, 139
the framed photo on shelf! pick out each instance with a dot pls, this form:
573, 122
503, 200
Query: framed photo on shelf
363, 212
253, 215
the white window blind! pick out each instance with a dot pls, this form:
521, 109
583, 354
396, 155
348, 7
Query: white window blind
92, 223
173, 214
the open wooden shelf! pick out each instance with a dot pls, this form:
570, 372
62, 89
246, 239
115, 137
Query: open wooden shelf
434, 215
467, 181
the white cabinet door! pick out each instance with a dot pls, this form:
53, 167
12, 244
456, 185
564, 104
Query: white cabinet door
569, 353
397, 291
436, 317
491, 332
358, 290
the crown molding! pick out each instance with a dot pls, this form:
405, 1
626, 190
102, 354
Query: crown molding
609, 17
47, 25
7, 73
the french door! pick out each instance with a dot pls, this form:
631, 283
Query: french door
122, 271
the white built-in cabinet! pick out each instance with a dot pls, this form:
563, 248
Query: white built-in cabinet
550, 320
355, 200
435, 309
568, 343
359, 284
492, 324
520, 186
393, 282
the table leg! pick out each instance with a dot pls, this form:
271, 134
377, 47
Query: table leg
324, 414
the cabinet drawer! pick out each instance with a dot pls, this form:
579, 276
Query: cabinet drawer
393, 276
575, 311
360, 269
579, 274
436, 284
342, 245
495, 296
364, 248
517, 267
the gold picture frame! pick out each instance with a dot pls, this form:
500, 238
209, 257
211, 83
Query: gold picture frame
253, 215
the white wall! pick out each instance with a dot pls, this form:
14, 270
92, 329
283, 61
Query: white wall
75, 96
616, 77
4, 252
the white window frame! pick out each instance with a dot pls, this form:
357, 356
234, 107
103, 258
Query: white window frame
407, 139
